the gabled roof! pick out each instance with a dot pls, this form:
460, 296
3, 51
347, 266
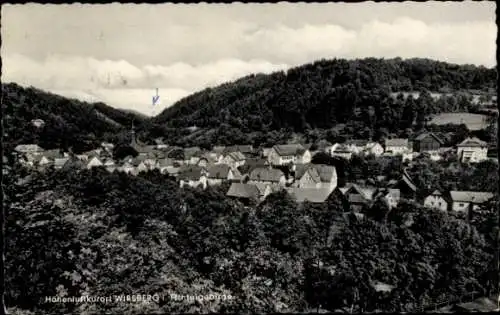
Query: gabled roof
324, 173
219, 171
239, 148
240, 190
52, 154
263, 186
314, 195
261, 174
424, 135
73, 163
166, 162
59, 162
470, 196
365, 193
28, 148
289, 149
190, 172
436, 193
397, 142
192, 152
236, 156
357, 142
473, 142
218, 149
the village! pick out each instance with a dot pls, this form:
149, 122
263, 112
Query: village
254, 173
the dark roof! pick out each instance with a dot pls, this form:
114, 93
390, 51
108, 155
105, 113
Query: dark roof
473, 142
266, 175
240, 190
314, 195
398, 142
236, 156
357, 142
73, 163
239, 148
219, 171
190, 172
325, 173
424, 135
289, 149
192, 152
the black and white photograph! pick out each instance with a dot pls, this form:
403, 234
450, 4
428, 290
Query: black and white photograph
249, 158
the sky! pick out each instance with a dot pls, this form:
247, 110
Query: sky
121, 53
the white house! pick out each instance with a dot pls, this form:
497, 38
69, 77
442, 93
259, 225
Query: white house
397, 146
192, 176
374, 148
267, 176
219, 173
233, 159
342, 151
289, 153
315, 176
436, 200
472, 150
463, 200
94, 162
127, 167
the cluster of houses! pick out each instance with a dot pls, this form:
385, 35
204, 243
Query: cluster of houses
255, 173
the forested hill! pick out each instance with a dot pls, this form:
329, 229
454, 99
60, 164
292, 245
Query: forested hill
324, 94
66, 122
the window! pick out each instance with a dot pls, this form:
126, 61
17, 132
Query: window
461, 204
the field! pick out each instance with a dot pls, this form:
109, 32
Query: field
472, 121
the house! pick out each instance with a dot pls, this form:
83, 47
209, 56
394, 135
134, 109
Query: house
289, 153
32, 149
233, 159
314, 195
127, 167
267, 176
331, 148
427, 141
436, 200
163, 164
193, 176
472, 150
73, 164
397, 146
94, 162
359, 197
247, 150
373, 148
206, 160
356, 146
59, 162
390, 196
38, 122
245, 192
266, 189
342, 151
192, 155
315, 176
219, 173
217, 153
463, 201
264, 152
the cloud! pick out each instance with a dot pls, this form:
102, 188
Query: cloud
123, 85
243, 49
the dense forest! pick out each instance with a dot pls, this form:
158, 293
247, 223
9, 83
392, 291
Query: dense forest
326, 99
66, 122
96, 233
351, 97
